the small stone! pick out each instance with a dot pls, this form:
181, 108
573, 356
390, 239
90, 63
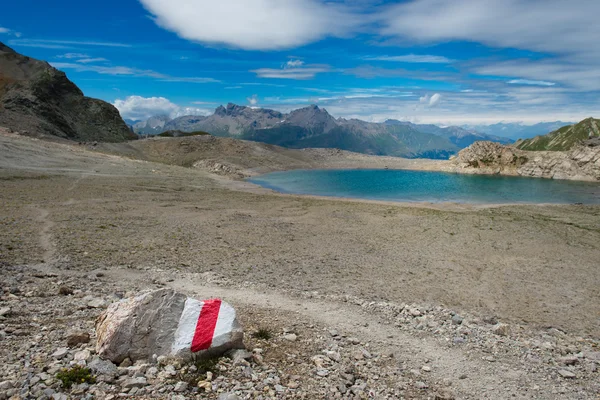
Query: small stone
501, 329
78, 338
126, 363
421, 385
238, 355
102, 367
95, 303
5, 385
135, 383
457, 319
83, 355
322, 372
228, 396
566, 374
569, 360
293, 385
291, 337
60, 352
426, 368
181, 386
353, 340
207, 386
4, 311
333, 333
463, 376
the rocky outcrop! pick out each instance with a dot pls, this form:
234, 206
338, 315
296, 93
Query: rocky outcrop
36, 98
580, 163
166, 323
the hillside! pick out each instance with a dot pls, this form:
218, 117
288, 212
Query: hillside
564, 138
516, 130
34, 97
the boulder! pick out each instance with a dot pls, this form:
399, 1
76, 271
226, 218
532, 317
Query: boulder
166, 323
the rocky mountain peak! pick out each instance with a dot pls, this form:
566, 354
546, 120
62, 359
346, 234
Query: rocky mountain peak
39, 99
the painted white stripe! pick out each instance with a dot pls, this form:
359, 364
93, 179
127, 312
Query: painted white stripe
224, 325
187, 326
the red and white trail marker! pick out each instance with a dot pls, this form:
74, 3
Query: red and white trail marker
204, 325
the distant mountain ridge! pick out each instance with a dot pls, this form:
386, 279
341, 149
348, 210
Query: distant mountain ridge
37, 98
314, 127
516, 131
563, 139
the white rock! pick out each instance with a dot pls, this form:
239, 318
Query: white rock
181, 386
290, 337
60, 352
163, 323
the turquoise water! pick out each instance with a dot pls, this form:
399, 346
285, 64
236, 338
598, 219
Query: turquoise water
393, 185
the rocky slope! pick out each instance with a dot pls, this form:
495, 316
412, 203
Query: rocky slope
564, 138
314, 127
35, 97
582, 162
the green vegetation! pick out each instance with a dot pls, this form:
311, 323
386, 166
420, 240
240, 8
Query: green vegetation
75, 375
564, 138
262, 334
198, 370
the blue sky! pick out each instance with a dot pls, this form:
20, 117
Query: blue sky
434, 61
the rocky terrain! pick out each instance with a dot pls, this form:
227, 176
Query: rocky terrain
338, 299
563, 139
38, 99
582, 162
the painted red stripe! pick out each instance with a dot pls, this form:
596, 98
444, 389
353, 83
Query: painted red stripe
205, 327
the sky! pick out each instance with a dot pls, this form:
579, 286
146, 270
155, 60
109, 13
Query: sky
428, 61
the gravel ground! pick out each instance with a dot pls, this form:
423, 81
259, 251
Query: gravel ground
384, 300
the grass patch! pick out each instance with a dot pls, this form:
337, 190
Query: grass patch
262, 334
198, 371
75, 376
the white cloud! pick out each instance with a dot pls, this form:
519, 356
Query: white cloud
9, 32
252, 100
294, 64
435, 100
293, 69
91, 60
64, 44
413, 58
530, 82
431, 101
554, 26
141, 108
73, 56
127, 71
253, 25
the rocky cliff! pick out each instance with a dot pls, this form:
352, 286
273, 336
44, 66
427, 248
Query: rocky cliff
36, 98
582, 162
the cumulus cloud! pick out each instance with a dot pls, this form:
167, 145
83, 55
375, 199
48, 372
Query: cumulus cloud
4, 30
431, 101
253, 25
141, 108
252, 100
413, 58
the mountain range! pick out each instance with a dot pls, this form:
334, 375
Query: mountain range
516, 131
313, 126
563, 138
37, 98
